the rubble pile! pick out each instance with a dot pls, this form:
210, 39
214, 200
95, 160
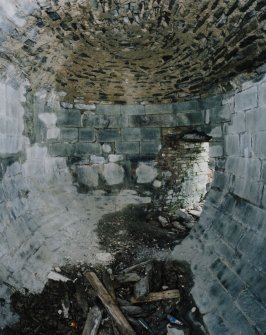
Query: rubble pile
151, 297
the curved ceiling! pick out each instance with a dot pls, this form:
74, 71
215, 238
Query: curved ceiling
133, 51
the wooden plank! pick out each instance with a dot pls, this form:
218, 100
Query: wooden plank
93, 321
156, 296
122, 323
109, 284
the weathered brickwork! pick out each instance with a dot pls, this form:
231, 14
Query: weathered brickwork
133, 52
227, 248
138, 133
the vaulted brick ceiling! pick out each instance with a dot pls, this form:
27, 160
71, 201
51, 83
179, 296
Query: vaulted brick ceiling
135, 51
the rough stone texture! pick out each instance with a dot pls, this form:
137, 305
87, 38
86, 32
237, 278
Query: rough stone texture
113, 173
151, 51
44, 221
70, 66
146, 173
226, 249
184, 173
88, 176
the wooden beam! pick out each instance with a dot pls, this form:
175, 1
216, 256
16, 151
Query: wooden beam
156, 296
109, 304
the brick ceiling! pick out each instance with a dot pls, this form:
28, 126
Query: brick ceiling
136, 51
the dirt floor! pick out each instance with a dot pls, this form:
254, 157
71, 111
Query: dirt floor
133, 236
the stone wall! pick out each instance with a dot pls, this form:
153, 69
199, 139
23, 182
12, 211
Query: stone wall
43, 215
148, 50
44, 221
226, 249
110, 146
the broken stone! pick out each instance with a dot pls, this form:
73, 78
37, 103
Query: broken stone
97, 159
87, 175
128, 278
195, 213
157, 183
174, 331
146, 173
57, 277
66, 105
115, 158
163, 221
91, 107
188, 224
113, 174
104, 257
106, 148
178, 226
181, 215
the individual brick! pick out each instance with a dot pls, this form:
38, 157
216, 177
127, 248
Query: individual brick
132, 109
215, 325
61, 149
262, 94
255, 311
248, 189
68, 118
87, 148
130, 148
216, 150
189, 118
232, 145
109, 110
185, 106
131, 134
69, 134
227, 278
86, 134
150, 147
167, 120
109, 135
256, 120
159, 109
211, 102
258, 144
246, 99
150, 134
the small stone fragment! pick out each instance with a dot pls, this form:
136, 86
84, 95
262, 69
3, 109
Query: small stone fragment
182, 215
115, 158
195, 213
157, 183
178, 226
106, 148
113, 174
104, 257
163, 221
145, 173
57, 277
128, 278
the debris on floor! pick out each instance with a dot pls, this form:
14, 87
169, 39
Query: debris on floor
147, 298
138, 290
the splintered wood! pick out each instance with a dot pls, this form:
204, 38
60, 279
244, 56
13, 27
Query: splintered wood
156, 296
110, 304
